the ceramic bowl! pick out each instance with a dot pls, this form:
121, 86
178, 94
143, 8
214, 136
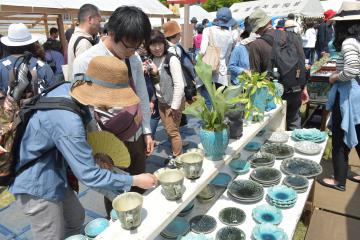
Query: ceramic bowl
221, 180
279, 150
191, 164
207, 192
261, 159
77, 237
128, 207
252, 146
246, 191
177, 227
267, 214
232, 216
202, 224
96, 226
266, 175
296, 181
194, 236
113, 215
278, 137
239, 166
282, 194
301, 166
187, 209
227, 233
312, 134
307, 147
268, 231
196, 150
172, 181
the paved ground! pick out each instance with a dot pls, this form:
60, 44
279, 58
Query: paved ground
14, 225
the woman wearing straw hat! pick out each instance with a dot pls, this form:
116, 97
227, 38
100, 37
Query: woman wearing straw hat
57, 139
18, 41
344, 96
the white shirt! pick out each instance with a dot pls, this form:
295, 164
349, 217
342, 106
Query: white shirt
309, 38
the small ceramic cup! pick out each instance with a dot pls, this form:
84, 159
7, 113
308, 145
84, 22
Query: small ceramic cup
171, 181
192, 164
128, 209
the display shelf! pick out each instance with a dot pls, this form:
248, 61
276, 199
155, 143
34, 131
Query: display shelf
158, 212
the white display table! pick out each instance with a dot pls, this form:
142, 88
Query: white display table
158, 212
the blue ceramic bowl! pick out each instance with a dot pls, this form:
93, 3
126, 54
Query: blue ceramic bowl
282, 194
221, 180
267, 214
96, 226
268, 231
239, 166
113, 215
177, 227
253, 146
77, 237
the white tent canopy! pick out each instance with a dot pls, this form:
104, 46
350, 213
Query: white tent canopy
280, 8
196, 11
334, 4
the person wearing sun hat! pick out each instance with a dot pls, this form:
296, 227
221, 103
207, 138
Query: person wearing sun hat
18, 41
324, 34
221, 34
57, 140
344, 95
260, 53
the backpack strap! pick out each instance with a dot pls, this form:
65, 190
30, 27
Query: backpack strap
77, 43
166, 62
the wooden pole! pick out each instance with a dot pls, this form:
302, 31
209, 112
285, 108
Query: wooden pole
60, 24
46, 26
187, 28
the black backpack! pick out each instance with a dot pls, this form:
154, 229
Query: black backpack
39, 102
187, 69
93, 42
288, 60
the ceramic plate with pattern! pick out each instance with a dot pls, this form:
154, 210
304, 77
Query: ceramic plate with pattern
261, 159
177, 227
246, 190
202, 224
281, 151
307, 147
232, 216
301, 166
229, 233
265, 175
267, 214
221, 180
253, 146
278, 137
267, 231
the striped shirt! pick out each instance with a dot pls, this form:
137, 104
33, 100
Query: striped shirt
348, 62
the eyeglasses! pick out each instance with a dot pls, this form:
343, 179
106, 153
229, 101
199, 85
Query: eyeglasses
130, 48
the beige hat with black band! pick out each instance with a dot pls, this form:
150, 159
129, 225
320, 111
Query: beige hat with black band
348, 11
105, 84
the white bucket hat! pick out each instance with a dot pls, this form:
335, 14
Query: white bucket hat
19, 35
348, 11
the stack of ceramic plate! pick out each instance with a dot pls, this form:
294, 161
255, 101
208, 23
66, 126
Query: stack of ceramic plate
299, 183
267, 214
178, 227
281, 196
187, 209
279, 150
301, 166
312, 134
266, 176
245, 191
261, 160
307, 147
268, 231
278, 137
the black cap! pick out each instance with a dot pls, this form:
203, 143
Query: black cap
193, 20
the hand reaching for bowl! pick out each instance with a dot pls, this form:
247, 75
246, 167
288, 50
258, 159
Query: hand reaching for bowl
144, 180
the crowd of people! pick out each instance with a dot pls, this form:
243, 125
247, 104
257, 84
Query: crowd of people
129, 76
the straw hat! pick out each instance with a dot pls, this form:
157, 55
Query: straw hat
171, 28
19, 35
348, 11
105, 84
258, 19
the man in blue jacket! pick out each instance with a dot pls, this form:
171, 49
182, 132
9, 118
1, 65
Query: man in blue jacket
55, 140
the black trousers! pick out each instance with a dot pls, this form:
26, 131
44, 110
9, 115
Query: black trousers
340, 152
293, 119
137, 166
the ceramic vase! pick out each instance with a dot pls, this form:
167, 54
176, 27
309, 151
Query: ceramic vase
214, 143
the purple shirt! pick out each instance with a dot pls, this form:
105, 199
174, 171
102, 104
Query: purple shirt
57, 57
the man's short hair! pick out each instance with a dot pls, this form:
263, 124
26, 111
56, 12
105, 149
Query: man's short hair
53, 30
291, 16
130, 23
87, 10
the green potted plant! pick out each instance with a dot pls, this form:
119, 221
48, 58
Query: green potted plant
214, 133
257, 92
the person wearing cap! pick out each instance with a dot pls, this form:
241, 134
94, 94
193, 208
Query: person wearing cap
18, 41
89, 26
221, 34
193, 22
298, 28
56, 139
280, 25
324, 34
260, 53
344, 95
128, 28
290, 26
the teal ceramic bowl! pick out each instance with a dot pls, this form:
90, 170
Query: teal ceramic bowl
77, 237
113, 215
96, 226
282, 194
267, 214
239, 166
268, 231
